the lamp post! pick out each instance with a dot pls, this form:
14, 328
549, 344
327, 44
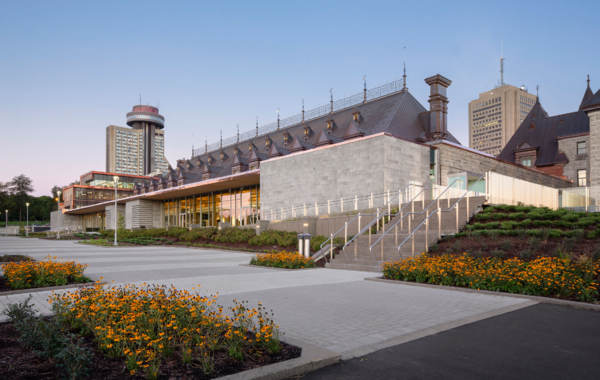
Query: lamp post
116, 180
27, 225
6, 222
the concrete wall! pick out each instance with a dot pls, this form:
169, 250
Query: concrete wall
370, 164
569, 147
10, 230
110, 216
143, 214
453, 159
60, 221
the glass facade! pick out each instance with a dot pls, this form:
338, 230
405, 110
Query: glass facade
237, 207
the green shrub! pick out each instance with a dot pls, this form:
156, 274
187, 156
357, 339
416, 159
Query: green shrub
272, 237
234, 235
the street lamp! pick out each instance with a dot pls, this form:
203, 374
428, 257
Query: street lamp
116, 180
6, 223
27, 225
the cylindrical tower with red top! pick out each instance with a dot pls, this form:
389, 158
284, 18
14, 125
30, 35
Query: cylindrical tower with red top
147, 119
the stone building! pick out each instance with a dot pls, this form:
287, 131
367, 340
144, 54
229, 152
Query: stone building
558, 145
379, 140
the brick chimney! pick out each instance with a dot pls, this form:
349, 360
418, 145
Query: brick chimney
438, 106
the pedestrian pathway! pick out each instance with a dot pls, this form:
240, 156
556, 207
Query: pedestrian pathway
333, 309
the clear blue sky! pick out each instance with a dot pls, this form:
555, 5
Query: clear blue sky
69, 69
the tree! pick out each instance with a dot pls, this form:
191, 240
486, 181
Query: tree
20, 187
55, 190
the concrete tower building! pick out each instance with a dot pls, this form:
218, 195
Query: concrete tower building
138, 150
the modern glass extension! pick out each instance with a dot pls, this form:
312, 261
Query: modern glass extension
236, 207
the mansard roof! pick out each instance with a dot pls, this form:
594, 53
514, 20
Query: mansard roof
398, 114
542, 132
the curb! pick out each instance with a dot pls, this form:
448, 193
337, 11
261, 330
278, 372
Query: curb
49, 288
311, 359
539, 299
277, 268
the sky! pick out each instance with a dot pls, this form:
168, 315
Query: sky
68, 69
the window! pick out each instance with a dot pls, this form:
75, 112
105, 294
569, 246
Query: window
581, 177
581, 148
526, 161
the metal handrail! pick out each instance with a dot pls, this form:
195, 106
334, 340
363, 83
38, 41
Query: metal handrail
379, 216
439, 209
344, 227
297, 210
411, 214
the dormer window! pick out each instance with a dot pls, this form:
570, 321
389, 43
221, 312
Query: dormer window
307, 131
250, 148
526, 161
356, 116
268, 142
286, 138
329, 126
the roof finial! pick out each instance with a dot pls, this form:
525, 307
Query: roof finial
221, 140
364, 88
331, 100
278, 119
205, 145
588, 80
303, 110
238, 134
192, 150
404, 76
257, 126
537, 91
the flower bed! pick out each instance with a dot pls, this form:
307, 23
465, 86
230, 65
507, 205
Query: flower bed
289, 260
544, 276
153, 328
36, 274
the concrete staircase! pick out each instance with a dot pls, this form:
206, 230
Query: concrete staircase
358, 256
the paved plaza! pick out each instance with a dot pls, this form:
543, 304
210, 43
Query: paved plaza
333, 309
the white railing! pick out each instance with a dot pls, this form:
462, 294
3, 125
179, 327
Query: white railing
466, 194
341, 205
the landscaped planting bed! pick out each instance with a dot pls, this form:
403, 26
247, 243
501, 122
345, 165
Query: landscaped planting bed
38, 274
149, 331
210, 237
573, 279
288, 260
526, 232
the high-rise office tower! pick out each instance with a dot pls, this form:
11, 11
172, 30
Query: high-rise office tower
137, 150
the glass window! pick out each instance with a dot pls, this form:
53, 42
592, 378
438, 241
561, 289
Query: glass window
581, 177
526, 162
581, 148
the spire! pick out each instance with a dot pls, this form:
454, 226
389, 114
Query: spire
237, 138
587, 95
537, 91
588, 81
257, 126
404, 77
364, 88
221, 140
303, 110
205, 145
331, 100
278, 119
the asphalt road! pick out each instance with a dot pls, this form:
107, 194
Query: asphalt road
538, 342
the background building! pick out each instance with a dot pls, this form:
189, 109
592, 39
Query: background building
138, 150
558, 145
495, 116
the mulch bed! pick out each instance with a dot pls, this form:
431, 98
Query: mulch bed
4, 287
17, 362
511, 246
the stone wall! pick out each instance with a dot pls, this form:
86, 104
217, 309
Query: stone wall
375, 164
453, 159
594, 153
110, 216
141, 213
61, 222
569, 147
